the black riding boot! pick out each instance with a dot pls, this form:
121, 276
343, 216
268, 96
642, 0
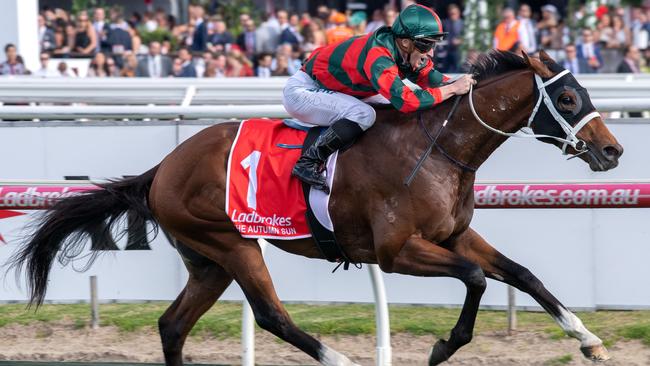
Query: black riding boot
309, 168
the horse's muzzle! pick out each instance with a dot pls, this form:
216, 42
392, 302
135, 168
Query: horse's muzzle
605, 158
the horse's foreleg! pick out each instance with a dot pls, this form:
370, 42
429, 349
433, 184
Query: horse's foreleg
420, 257
247, 266
204, 286
497, 266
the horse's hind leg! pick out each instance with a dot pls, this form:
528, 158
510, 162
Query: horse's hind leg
497, 266
247, 266
207, 282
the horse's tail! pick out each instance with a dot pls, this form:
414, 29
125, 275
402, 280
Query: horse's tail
70, 221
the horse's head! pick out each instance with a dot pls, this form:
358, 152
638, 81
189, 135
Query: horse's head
564, 113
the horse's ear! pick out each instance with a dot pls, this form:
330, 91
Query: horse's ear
538, 66
545, 57
525, 56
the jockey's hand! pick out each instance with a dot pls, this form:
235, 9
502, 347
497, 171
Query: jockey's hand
462, 84
459, 86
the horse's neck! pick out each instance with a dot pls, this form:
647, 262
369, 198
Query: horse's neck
503, 103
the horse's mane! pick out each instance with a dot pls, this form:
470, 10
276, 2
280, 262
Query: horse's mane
495, 63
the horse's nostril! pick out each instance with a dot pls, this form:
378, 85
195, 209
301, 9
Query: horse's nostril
612, 152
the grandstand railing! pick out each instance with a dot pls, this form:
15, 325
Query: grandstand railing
240, 91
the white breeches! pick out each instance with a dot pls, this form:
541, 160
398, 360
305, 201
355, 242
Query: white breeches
305, 101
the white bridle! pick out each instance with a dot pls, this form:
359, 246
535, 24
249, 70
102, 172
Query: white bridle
571, 131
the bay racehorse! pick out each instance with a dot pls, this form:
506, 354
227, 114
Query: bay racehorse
422, 229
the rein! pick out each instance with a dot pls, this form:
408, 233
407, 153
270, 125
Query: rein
571, 131
433, 143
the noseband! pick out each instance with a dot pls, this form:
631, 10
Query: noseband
571, 131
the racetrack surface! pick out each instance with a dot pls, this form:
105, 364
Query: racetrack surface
55, 343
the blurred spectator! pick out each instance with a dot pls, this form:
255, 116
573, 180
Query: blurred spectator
201, 64
246, 39
264, 62
376, 22
290, 32
646, 57
64, 37
44, 72
246, 68
640, 29
340, 32
46, 38
323, 13
130, 65
119, 39
631, 64
589, 51
449, 53
200, 36
506, 35
389, 17
281, 65
101, 29
553, 37
154, 64
217, 67
547, 26
112, 69
98, 67
85, 41
221, 38
528, 36
631, 61
571, 61
267, 36
622, 36
13, 64
187, 68
314, 35
358, 23
136, 41
62, 68
236, 67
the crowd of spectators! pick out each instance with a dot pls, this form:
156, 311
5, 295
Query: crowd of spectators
619, 41
154, 44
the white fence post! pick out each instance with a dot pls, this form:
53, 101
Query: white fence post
384, 352
248, 327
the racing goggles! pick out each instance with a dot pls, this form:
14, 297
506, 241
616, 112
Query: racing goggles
426, 44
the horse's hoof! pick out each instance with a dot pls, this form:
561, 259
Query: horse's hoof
597, 353
438, 353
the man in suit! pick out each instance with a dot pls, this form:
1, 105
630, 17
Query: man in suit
589, 51
572, 62
187, 69
630, 63
154, 64
247, 40
200, 36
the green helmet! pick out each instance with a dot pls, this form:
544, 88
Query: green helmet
417, 21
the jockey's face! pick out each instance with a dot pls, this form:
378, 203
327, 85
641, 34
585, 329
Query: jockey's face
416, 57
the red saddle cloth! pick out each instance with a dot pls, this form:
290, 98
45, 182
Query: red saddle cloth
263, 200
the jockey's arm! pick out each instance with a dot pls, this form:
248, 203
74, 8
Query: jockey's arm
428, 77
383, 73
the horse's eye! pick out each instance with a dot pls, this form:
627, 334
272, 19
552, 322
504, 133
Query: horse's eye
566, 100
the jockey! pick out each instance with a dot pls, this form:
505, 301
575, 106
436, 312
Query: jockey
327, 91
